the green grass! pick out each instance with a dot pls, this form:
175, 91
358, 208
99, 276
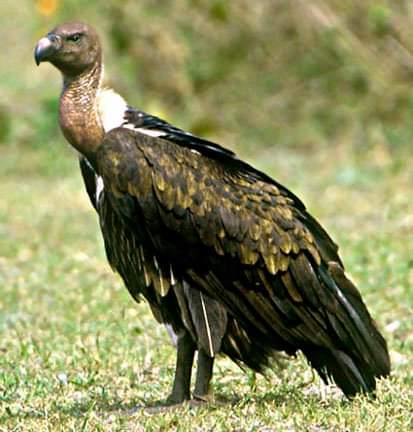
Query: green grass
76, 353
329, 115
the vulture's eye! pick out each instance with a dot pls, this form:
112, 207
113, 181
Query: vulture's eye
75, 37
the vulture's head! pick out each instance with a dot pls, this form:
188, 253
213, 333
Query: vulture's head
72, 47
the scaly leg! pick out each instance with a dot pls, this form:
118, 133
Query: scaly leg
203, 375
184, 360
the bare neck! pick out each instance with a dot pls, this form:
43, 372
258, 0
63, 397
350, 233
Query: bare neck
79, 118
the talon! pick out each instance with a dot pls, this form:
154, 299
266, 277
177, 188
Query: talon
206, 398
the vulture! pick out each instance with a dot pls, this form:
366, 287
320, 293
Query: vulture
227, 258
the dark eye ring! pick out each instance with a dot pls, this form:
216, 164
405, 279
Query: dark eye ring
75, 38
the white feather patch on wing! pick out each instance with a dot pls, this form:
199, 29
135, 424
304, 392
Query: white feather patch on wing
111, 108
99, 188
150, 132
211, 347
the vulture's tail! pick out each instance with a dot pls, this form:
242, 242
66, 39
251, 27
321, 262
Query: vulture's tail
364, 356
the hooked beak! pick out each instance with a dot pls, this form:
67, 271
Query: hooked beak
46, 47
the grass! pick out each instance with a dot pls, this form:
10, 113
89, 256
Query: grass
76, 353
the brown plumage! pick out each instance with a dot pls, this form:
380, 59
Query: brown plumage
223, 253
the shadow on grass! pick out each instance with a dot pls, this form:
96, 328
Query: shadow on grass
277, 397
103, 407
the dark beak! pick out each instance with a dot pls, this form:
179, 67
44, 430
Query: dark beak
45, 48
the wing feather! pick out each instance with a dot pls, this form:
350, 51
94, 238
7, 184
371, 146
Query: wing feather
215, 223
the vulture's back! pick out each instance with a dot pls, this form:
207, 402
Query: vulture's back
250, 244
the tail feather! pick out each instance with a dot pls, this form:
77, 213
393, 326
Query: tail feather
351, 377
369, 343
361, 355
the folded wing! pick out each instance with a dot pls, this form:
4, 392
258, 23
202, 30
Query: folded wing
248, 243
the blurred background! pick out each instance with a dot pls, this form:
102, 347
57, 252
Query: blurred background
256, 76
317, 93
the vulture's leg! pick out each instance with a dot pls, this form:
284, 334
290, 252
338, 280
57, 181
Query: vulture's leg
184, 360
203, 375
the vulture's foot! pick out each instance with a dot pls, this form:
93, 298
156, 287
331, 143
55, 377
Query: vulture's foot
201, 400
177, 398
161, 407
169, 405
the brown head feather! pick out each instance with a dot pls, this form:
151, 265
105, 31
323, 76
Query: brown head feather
74, 48
77, 48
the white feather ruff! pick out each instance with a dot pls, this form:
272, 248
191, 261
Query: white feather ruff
111, 108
